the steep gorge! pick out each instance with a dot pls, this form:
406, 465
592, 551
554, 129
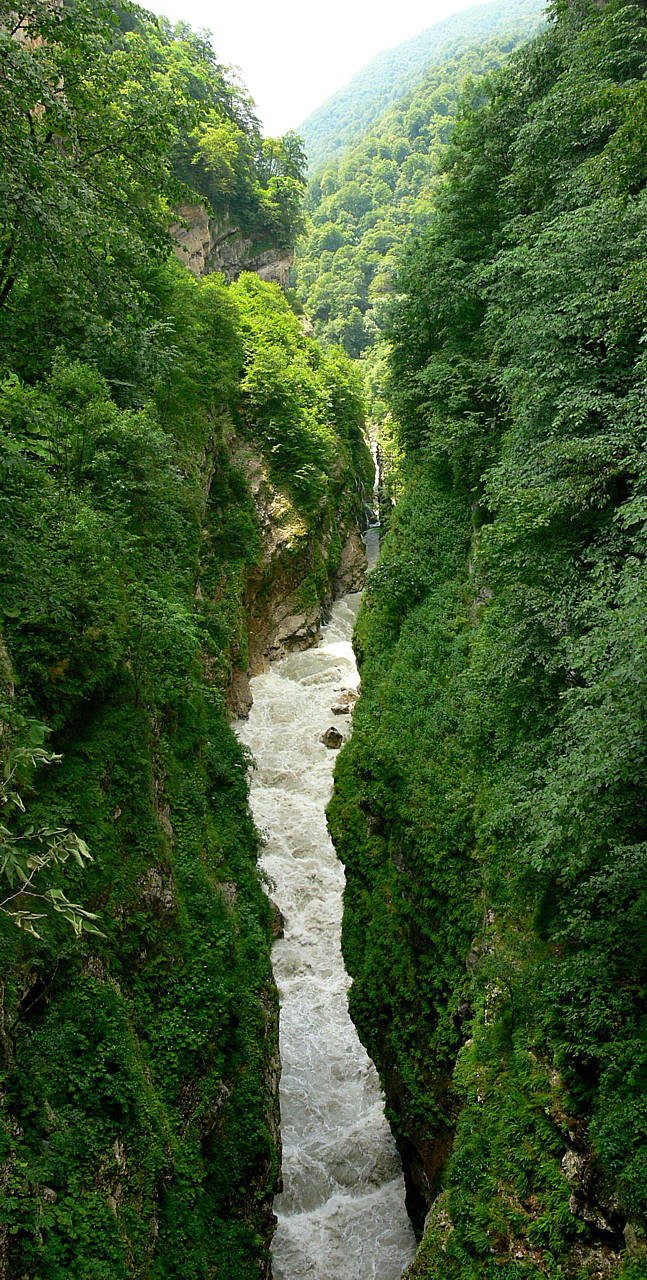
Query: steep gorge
141, 1068
341, 1212
183, 470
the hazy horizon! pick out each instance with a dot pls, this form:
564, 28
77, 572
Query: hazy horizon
292, 57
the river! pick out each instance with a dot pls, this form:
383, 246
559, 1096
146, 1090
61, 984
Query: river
342, 1214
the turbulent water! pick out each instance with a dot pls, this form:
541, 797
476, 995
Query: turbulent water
341, 1215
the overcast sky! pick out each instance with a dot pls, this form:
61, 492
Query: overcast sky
293, 54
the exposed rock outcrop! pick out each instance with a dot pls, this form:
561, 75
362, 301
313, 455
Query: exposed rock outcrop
193, 237
240, 695
351, 571
298, 574
205, 244
6, 687
6, 673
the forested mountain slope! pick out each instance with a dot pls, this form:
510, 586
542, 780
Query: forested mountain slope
365, 206
347, 114
176, 460
490, 805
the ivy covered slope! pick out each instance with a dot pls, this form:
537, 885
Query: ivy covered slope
490, 805
139, 1064
344, 117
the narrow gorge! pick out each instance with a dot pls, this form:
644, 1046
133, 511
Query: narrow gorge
323, 893
341, 1214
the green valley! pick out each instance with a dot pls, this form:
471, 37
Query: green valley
344, 117
365, 206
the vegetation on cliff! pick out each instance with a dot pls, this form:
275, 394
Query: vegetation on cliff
138, 1064
107, 118
489, 807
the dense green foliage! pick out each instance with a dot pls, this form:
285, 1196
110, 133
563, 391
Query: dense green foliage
124, 562
102, 126
364, 207
138, 1112
490, 805
27, 853
344, 117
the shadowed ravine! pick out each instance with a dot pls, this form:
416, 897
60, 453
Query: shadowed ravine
342, 1214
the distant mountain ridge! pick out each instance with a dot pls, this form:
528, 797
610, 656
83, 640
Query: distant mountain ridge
365, 204
347, 114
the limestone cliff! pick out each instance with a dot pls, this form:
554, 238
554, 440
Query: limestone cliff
302, 567
205, 243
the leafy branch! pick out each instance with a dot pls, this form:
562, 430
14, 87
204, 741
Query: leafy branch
27, 855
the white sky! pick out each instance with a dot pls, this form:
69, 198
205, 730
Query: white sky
292, 54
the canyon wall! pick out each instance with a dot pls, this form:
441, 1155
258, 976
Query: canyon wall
205, 243
141, 585
489, 805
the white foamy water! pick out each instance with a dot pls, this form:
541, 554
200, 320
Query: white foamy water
342, 1214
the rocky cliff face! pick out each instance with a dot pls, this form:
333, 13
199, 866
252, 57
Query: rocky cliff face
302, 568
204, 244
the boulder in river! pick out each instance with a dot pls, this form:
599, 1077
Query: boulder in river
345, 702
332, 738
277, 923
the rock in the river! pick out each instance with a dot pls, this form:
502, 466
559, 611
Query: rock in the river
345, 702
277, 923
332, 738
276, 920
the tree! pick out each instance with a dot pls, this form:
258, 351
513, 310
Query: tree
86, 123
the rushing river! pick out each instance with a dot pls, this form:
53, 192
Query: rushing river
341, 1215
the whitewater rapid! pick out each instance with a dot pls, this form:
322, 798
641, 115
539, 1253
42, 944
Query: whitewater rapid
342, 1213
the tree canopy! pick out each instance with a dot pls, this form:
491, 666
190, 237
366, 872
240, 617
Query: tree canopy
490, 804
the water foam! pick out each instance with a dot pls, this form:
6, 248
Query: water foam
341, 1215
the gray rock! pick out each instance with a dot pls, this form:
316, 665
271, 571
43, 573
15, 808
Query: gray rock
157, 891
573, 1166
351, 570
332, 738
240, 698
635, 1243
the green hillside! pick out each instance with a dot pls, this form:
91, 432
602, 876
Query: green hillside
364, 207
490, 804
347, 114
139, 1129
